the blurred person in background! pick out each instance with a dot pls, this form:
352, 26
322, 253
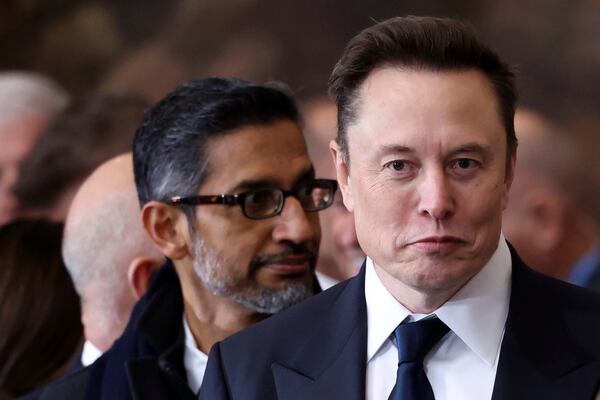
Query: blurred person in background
28, 102
340, 255
40, 328
89, 132
107, 253
550, 217
229, 196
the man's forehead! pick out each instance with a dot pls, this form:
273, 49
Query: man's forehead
390, 82
413, 104
258, 137
273, 155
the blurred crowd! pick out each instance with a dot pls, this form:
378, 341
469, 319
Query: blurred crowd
77, 256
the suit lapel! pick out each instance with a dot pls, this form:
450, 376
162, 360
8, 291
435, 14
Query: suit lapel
160, 372
538, 358
332, 361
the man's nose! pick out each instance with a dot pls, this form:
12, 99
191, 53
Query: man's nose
294, 224
435, 196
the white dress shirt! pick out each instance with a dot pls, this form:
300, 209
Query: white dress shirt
325, 281
89, 354
194, 360
463, 364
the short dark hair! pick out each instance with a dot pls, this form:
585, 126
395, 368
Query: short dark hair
90, 131
427, 43
169, 147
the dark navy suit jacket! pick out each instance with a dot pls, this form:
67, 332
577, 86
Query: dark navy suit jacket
146, 362
317, 349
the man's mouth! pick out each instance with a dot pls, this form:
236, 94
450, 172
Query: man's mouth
289, 265
437, 244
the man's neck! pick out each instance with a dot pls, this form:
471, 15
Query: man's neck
99, 331
416, 301
213, 318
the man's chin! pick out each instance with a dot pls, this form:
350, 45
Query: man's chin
276, 277
266, 300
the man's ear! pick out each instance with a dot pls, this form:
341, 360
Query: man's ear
342, 172
140, 273
167, 227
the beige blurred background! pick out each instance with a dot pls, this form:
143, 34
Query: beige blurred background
152, 45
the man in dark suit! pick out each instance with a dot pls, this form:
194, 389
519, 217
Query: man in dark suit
229, 196
443, 307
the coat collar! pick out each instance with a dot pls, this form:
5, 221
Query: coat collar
160, 321
538, 350
160, 325
148, 358
331, 363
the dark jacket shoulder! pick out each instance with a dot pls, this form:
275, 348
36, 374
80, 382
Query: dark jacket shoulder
71, 387
295, 319
288, 340
572, 309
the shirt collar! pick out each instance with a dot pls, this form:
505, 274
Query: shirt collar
89, 354
194, 360
325, 281
476, 313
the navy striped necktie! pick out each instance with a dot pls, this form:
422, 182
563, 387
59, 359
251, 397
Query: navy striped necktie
414, 341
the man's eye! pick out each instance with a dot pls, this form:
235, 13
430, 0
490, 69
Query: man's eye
464, 163
398, 165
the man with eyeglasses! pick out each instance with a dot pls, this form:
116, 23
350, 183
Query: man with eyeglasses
229, 196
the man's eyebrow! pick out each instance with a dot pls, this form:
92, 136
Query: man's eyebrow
253, 184
394, 149
471, 148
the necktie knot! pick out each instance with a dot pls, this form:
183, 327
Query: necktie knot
415, 339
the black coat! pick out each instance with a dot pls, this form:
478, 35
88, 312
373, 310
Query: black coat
317, 350
146, 362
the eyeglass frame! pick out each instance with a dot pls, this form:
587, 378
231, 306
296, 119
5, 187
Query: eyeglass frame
239, 198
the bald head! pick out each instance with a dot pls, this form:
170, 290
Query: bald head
104, 247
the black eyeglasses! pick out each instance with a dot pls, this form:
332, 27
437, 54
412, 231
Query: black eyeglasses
264, 203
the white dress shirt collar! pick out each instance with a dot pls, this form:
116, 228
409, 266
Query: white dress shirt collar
194, 360
325, 281
89, 354
476, 313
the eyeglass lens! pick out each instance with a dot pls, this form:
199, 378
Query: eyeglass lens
263, 202
267, 202
314, 197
